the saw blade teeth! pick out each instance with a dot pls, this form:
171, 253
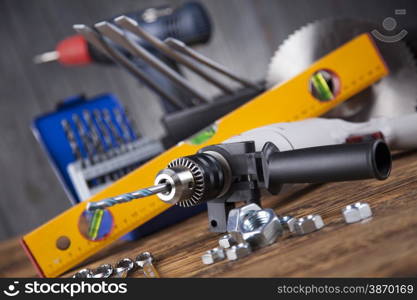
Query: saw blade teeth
270, 76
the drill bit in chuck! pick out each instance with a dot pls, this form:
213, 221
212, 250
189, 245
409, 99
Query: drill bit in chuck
187, 181
160, 188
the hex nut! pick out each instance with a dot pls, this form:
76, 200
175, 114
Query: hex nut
364, 210
212, 256
83, 273
123, 267
308, 224
351, 214
238, 251
356, 212
260, 228
103, 271
236, 216
228, 241
143, 258
125, 263
288, 223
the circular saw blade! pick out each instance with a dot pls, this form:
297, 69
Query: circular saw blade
393, 95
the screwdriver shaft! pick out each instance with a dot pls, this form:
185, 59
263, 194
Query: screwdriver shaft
118, 36
184, 49
131, 25
46, 57
102, 45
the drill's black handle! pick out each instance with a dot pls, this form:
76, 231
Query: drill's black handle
329, 164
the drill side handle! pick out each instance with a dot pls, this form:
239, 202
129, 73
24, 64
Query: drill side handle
328, 164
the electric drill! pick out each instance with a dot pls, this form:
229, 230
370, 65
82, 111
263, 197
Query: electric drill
310, 151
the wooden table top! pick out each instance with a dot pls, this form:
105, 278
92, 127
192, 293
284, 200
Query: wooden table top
385, 245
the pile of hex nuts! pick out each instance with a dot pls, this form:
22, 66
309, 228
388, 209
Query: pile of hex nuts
250, 228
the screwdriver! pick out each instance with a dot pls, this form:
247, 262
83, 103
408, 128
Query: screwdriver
189, 23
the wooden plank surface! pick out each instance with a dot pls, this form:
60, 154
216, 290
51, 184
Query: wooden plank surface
384, 245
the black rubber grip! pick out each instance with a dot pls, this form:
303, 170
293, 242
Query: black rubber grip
330, 163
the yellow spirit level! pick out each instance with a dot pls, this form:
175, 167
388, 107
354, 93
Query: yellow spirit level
59, 244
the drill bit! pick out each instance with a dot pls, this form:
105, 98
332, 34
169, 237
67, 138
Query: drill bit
86, 140
130, 132
94, 134
105, 133
109, 121
127, 136
108, 140
160, 188
72, 141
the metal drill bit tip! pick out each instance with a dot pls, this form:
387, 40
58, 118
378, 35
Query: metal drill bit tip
160, 188
46, 57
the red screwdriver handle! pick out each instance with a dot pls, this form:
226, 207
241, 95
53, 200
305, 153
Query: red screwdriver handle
74, 51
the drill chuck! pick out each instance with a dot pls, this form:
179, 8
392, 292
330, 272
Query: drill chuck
194, 179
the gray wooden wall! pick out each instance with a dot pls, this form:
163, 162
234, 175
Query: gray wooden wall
247, 32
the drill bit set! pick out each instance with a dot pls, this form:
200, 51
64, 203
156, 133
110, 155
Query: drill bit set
93, 143
110, 147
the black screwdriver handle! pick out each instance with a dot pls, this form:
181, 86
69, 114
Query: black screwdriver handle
189, 23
